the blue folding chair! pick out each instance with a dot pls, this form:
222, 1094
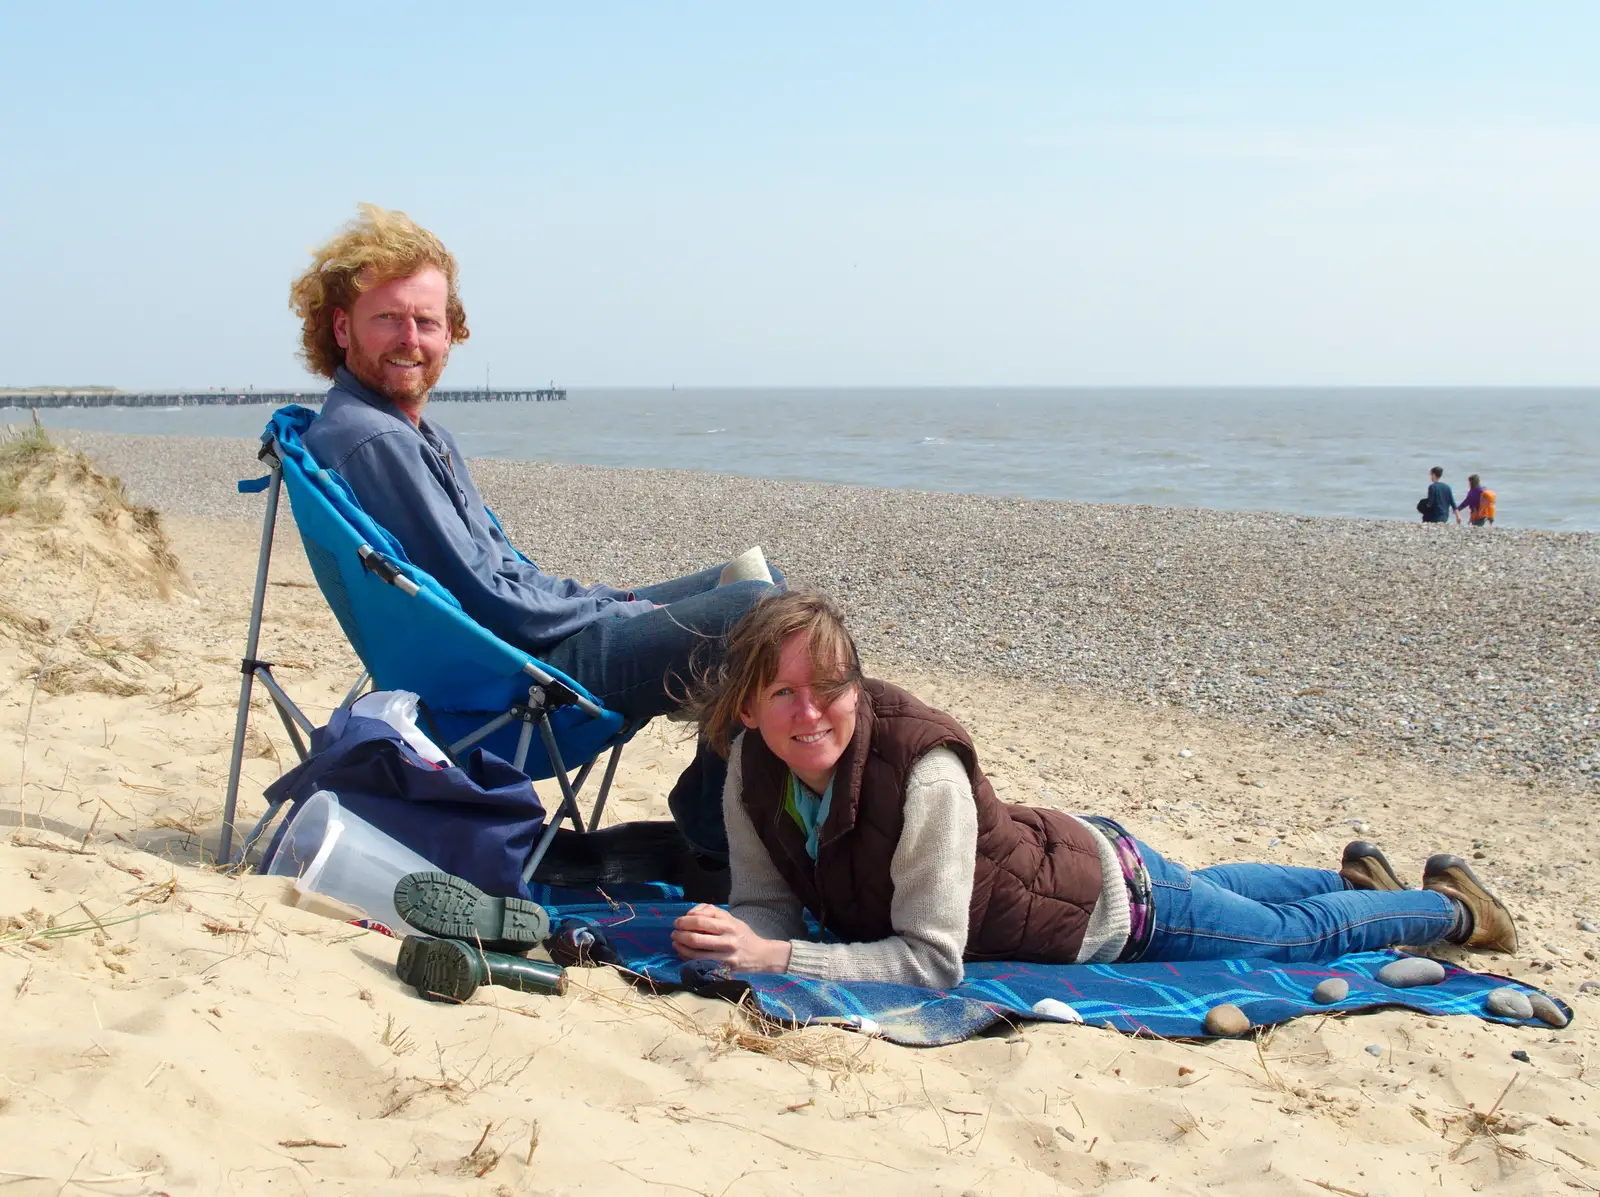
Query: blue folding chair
411, 634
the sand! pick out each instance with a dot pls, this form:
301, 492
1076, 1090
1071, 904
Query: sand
173, 1029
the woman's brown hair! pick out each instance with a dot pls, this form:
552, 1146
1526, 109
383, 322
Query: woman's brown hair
750, 659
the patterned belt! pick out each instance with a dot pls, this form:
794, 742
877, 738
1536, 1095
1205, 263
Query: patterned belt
1141, 909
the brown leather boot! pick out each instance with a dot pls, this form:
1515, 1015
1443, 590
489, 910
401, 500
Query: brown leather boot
1493, 929
1363, 866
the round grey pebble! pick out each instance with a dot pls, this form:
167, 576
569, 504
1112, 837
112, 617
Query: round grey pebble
1586, 925
1547, 1011
1374, 1050
1411, 972
1226, 1020
1589, 987
1334, 989
1510, 1003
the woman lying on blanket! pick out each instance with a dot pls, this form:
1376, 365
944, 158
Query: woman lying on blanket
851, 799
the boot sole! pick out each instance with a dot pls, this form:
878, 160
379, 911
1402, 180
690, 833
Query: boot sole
1457, 877
438, 969
445, 906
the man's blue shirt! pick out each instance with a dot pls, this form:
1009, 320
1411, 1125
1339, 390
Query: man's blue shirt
414, 481
1441, 502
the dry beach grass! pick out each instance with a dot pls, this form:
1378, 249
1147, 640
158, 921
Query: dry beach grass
173, 1029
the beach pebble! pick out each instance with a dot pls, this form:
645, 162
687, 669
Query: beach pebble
1051, 1008
1521, 1055
879, 549
1589, 987
1374, 1050
1411, 972
1510, 1003
1185, 753
1586, 925
1334, 989
1226, 1020
1547, 1011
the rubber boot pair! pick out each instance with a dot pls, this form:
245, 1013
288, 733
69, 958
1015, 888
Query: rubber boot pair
1364, 866
476, 937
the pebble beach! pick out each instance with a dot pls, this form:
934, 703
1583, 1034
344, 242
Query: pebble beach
1477, 648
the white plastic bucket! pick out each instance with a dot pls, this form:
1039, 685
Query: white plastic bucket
340, 855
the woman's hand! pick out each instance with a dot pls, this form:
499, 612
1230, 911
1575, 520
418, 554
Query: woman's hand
711, 933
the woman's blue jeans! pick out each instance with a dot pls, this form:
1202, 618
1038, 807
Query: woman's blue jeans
1278, 912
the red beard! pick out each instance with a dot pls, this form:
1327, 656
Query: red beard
410, 389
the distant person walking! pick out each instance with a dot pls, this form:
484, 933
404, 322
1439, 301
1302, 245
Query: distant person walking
1479, 503
1438, 503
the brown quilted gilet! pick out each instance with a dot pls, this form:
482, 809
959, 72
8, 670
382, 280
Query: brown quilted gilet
1037, 874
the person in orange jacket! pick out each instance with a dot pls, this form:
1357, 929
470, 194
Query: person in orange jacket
1479, 501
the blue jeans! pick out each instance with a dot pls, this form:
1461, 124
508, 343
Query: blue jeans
642, 666
1277, 912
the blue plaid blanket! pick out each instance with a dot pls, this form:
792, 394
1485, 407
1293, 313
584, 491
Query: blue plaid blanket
1169, 1000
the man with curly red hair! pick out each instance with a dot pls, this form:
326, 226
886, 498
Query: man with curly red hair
380, 310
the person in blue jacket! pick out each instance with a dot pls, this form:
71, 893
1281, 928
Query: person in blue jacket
1439, 504
380, 312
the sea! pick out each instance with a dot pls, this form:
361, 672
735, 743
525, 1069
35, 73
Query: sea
1361, 453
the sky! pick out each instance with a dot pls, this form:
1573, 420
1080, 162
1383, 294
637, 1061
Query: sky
867, 194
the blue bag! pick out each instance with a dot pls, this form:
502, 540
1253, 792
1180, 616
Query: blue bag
479, 821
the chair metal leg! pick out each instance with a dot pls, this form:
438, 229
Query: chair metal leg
286, 705
583, 776
247, 666
569, 796
524, 739
605, 787
488, 729
294, 733
543, 846
355, 690
569, 799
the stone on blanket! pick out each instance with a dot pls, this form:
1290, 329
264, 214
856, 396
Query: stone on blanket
1546, 1011
1052, 1008
1227, 1020
1411, 972
1510, 1003
1334, 989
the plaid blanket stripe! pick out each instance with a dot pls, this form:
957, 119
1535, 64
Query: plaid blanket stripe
1165, 999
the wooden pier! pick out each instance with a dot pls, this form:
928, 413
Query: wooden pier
247, 398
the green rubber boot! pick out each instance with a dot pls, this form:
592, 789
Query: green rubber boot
447, 970
450, 908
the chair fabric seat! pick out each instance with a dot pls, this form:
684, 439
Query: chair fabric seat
463, 673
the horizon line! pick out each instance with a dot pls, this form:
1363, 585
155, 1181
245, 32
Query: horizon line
15, 391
